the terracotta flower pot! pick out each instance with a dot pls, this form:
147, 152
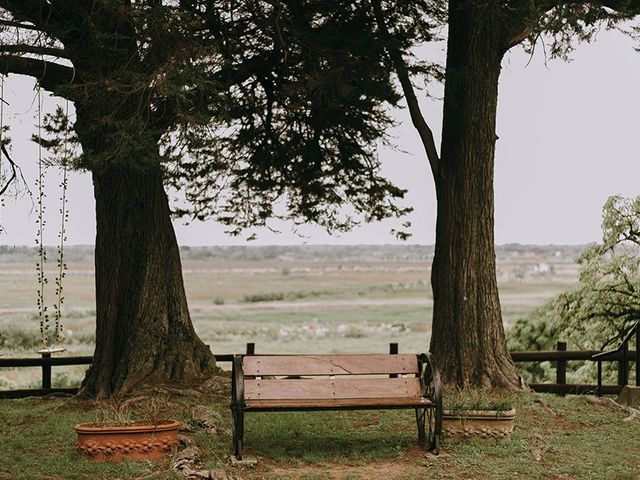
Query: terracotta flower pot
140, 440
478, 423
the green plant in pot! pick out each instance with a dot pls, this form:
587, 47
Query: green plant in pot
478, 413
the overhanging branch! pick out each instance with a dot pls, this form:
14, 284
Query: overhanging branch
426, 135
617, 5
35, 49
51, 76
15, 170
33, 11
13, 23
41, 13
14, 173
620, 6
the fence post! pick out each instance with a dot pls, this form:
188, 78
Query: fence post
623, 378
599, 389
561, 366
46, 371
393, 350
637, 355
251, 348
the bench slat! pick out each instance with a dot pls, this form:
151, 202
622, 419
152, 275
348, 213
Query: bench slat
284, 365
337, 404
326, 388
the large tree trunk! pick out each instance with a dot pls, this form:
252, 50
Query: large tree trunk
468, 336
144, 334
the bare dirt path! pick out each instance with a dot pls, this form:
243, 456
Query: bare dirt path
408, 467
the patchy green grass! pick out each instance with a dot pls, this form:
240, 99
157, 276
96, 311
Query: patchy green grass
38, 443
554, 438
347, 328
281, 304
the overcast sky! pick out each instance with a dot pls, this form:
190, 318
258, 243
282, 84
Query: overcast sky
568, 138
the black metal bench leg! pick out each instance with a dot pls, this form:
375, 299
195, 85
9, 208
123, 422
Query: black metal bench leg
238, 432
420, 414
435, 446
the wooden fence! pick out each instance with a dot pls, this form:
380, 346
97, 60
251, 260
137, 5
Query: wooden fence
560, 357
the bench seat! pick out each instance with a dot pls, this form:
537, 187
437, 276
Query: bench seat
339, 404
269, 383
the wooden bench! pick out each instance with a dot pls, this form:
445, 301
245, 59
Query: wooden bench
270, 383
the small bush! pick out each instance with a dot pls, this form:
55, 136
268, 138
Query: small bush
538, 331
82, 339
355, 333
16, 338
263, 297
534, 332
300, 294
80, 314
64, 380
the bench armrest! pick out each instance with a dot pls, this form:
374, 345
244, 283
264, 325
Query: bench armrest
431, 386
237, 383
430, 377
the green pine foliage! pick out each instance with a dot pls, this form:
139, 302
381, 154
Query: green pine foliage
256, 110
303, 97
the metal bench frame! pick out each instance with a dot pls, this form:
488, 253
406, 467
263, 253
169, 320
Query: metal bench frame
428, 414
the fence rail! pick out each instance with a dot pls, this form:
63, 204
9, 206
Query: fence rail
622, 355
46, 361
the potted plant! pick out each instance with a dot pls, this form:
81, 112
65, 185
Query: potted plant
117, 437
478, 414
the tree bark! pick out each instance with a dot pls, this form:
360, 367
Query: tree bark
468, 336
144, 333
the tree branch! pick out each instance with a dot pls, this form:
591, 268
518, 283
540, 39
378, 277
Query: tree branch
617, 5
13, 23
41, 13
14, 174
33, 11
15, 169
25, 48
620, 6
51, 76
426, 135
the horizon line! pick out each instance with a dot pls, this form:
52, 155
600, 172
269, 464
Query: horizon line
92, 245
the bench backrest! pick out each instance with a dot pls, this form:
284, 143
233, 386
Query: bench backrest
333, 377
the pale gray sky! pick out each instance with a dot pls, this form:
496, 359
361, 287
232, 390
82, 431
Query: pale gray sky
568, 138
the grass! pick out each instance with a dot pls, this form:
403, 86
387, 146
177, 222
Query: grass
355, 329
458, 401
289, 307
554, 438
282, 305
38, 439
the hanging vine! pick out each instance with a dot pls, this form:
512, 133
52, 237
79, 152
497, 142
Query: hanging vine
43, 314
61, 143
62, 236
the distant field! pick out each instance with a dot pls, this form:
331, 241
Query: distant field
285, 299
